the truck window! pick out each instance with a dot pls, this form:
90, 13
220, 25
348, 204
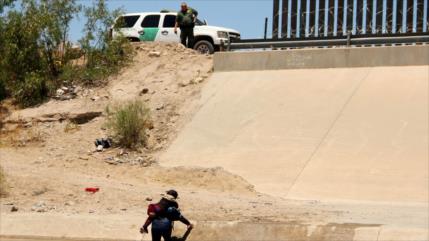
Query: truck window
151, 21
169, 21
199, 23
126, 21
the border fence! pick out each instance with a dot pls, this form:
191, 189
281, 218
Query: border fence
318, 23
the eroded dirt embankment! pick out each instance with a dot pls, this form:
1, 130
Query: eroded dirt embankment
49, 155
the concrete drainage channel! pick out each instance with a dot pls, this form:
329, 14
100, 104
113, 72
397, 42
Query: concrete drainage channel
238, 231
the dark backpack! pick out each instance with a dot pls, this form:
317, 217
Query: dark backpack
173, 214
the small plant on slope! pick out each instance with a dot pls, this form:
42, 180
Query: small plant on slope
128, 123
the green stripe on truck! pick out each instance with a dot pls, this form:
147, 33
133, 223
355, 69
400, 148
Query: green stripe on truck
149, 34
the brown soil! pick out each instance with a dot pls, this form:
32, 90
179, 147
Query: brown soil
49, 157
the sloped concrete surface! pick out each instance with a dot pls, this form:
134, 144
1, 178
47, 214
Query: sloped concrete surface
357, 134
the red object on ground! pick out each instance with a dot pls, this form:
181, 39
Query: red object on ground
92, 189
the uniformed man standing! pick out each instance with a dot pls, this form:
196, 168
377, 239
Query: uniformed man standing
185, 20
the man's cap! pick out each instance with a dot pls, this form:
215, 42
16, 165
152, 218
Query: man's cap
173, 193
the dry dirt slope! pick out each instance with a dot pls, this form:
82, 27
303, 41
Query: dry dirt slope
167, 77
49, 159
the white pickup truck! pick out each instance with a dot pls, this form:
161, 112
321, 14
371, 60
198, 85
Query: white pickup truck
159, 27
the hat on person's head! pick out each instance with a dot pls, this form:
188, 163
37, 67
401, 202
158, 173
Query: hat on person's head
170, 195
173, 193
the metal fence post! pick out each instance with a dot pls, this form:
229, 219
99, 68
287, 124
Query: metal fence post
345, 9
415, 16
298, 19
404, 16
425, 16
326, 18
289, 19
276, 6
335, 17
384, 23
364, 10
307, 19
266, 28
316, 19
374, 17
354, 28
394, 17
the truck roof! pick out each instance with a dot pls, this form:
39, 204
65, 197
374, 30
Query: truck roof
147, 13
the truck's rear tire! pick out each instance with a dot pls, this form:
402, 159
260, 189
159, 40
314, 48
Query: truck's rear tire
204, 47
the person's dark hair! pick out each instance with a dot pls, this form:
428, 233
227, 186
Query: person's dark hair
172, 193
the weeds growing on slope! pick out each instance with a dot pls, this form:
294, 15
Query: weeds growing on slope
3, 185
128, 123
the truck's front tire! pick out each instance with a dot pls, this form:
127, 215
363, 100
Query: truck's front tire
204, 47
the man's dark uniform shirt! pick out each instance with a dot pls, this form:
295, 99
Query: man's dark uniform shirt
186, 22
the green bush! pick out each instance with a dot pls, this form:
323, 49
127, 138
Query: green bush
31, 35
32, 91
36, 57
128, 123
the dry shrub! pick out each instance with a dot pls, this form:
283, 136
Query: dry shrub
26, 137
20, 136
71, 127
128, 123
3, 185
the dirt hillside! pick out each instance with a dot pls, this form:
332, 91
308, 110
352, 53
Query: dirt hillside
49, 157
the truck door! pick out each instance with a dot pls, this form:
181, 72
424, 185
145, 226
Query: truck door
125, 25
167, 29
150, 27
